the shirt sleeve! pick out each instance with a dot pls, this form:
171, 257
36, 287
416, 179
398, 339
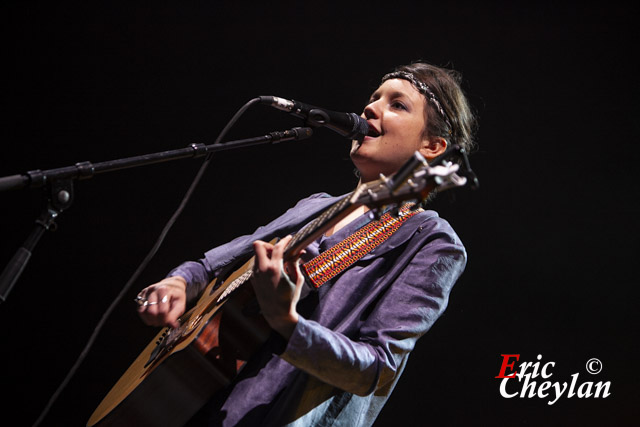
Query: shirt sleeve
405, 311
198, 274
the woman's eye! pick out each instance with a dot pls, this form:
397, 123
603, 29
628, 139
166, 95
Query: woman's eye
398, 104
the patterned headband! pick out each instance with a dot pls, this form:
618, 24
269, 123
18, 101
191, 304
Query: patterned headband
423, 89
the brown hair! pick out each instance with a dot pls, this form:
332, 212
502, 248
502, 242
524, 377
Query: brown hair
445, 85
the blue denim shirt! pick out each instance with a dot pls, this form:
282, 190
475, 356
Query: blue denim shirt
355, 333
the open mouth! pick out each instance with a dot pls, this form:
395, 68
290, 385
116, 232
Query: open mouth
373, 132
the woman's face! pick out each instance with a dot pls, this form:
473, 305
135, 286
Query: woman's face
396, 112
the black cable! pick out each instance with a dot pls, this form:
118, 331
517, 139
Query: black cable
143, 265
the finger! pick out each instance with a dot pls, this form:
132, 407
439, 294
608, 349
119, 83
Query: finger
279, 248
286, 240
292, 269
150, 319
264, 253
154, 309
159, 315
262, 249
277, 257
176, 308
296, 255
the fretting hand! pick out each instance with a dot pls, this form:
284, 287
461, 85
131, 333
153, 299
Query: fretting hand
277, 285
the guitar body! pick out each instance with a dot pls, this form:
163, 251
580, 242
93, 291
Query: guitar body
177, 373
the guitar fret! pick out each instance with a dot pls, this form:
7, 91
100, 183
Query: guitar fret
319, 222
328, 215
304, 233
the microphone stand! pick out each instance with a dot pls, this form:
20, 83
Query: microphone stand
60, 193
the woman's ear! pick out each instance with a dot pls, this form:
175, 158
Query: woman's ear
433, 147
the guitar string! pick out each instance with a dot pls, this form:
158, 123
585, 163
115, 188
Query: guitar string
326, 216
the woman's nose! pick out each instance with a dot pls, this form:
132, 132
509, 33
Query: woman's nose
370, 111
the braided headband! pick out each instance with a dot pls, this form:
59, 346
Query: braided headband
423, 89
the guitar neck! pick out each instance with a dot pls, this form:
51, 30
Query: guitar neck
326, 220
414, 180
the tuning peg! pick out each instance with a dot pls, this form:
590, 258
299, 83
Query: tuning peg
372, 194
386, 181
411, 184
406, 171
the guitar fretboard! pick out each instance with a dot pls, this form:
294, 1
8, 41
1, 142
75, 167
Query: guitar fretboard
303, 237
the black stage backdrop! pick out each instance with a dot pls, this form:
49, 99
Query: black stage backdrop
552, 232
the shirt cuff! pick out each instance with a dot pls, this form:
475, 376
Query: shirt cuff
196, 276
300, 343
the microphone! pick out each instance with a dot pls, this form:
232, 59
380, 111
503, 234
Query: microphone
349, 125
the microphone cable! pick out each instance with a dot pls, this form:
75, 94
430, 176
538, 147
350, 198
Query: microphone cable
142, 265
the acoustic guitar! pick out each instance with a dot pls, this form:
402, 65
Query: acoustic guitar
179, 371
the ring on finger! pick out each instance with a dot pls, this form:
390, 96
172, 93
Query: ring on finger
143, 302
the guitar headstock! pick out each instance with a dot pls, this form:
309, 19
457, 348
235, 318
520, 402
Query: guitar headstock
416, 179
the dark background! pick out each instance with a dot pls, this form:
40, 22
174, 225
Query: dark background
552, 233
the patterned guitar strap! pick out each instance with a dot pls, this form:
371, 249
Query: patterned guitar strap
342, 255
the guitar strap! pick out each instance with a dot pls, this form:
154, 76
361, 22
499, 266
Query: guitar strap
342, 255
